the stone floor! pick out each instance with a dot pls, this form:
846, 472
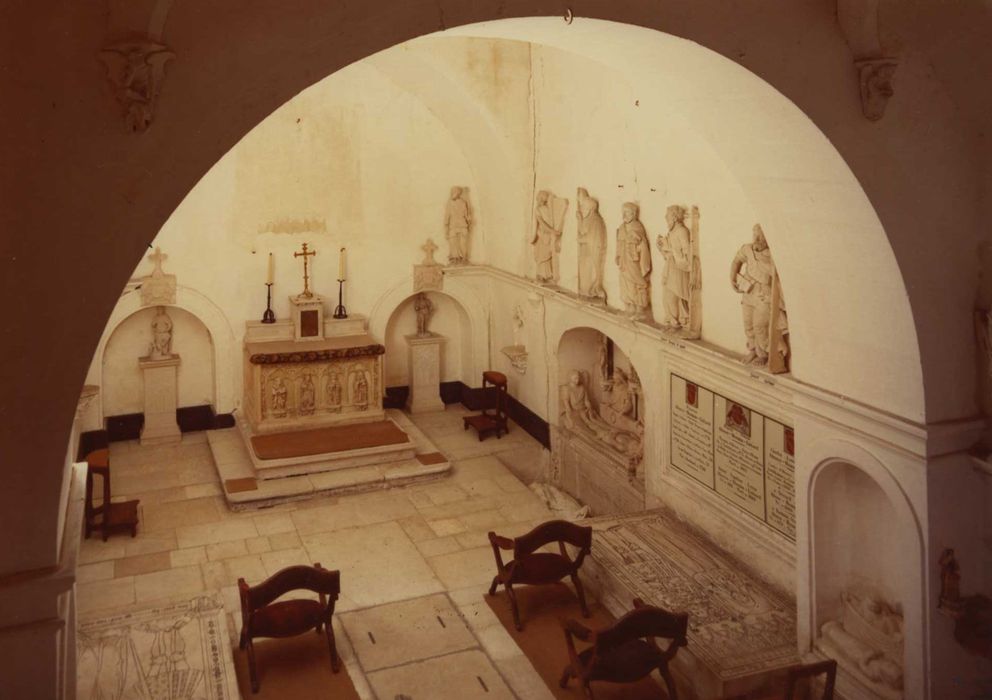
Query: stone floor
393, 546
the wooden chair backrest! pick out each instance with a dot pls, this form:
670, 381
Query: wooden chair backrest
554, 531
797, 673
312, 578
90, 510
645, 621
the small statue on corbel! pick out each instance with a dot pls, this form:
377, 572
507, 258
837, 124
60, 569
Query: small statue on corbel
875, 83
136, 68
428, 275
517, 353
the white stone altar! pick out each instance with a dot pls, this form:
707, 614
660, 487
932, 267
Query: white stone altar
161, 399
425, 373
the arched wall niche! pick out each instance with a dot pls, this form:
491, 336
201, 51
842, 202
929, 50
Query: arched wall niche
461, 299
862, 534
225, 380
607, 479
123, 384
449, 319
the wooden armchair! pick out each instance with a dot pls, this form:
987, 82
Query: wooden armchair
261, 617
107, 517
531, 567
797, 673
626, 651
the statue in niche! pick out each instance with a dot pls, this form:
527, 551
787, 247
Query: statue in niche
308, 396
549, 220
424, 309
592, 246
161, 347
681, 277
579, 416
361, 392
868, 636
334, 393
457, 222
279, 394
753, 276
634, 260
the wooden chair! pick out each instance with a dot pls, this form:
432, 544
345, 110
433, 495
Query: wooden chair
531, 567
107, 517
261, 617
495, 422
626, 651
799, 672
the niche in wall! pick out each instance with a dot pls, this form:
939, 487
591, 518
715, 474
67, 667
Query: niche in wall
449, 320
860, 563
598, 436
123, 388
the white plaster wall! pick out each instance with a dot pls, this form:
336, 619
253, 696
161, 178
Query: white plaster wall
449, 320
123, 384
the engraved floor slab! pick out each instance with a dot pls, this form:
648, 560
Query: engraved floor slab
466, 675
412, 630
741, 630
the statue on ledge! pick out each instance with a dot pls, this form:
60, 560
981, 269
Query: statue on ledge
457, 221
549, 220
633, 257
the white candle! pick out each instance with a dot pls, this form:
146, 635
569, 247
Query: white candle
341, 265
272, 270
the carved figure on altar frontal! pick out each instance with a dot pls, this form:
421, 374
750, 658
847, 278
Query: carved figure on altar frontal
425, 309
753, 276
633, 257
457, 222
161, 347
308, 395
361, 396
334, 394
676, 249
592, 246
279, 395
549, 220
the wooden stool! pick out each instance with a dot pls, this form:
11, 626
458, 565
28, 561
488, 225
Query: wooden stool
107, 517
486, 422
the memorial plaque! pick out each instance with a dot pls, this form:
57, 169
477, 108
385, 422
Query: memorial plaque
692, 430
780, 478
738, 453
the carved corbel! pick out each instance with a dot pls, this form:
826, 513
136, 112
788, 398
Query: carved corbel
859, 22
136, 68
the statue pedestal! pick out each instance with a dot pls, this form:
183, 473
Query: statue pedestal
425, 373
161, 397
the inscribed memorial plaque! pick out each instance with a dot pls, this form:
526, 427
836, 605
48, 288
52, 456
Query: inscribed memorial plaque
738, 453
692, 430
780, 477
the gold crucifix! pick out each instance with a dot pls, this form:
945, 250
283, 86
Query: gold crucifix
306, 270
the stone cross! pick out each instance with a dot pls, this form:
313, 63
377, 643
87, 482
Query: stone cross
157, 258
429, 247
306, 270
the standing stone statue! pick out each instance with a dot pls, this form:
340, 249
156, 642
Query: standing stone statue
425, 309
361, 395
308, 396
457, 222
676, 249
592, 246
752, 275
634, 259
161, 347
549, 220
334, 394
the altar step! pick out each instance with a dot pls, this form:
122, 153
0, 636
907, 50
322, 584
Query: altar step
244, 488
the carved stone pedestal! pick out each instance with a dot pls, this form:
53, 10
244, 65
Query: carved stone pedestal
161, 397
425, 373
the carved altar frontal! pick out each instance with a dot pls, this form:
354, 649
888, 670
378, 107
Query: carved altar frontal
291, 385
741, 630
